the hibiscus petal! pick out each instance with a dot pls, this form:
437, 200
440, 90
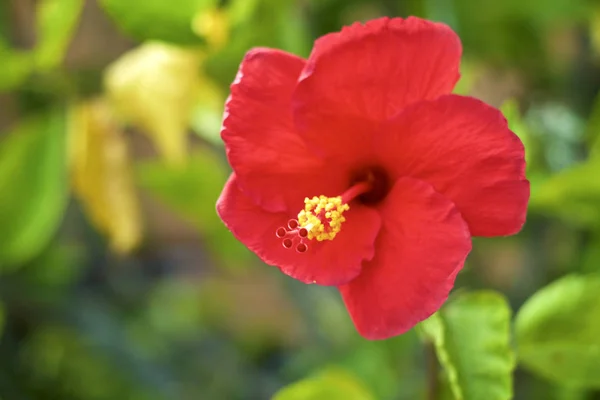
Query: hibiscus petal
331, 262
370, 72
465, 150
273, 164
422, 246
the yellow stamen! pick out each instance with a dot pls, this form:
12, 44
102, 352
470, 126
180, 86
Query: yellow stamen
322, 217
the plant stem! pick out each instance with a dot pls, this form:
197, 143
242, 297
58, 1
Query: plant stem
432, 366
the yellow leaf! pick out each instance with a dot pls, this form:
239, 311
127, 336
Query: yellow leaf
213, 25
154, 87
101, 174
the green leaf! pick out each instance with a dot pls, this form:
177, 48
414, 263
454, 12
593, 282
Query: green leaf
331, 384
558, 331
56, 21
471, 335
157, 19
33, 178
192, 192
573, 194
16, 67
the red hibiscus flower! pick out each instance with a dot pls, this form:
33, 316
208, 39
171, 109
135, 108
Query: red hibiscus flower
357, 168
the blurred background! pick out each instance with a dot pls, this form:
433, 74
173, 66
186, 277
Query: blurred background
118, 280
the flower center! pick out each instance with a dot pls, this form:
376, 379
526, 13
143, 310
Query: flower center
379, 180
321, 219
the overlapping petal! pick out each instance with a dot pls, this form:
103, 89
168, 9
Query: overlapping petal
326, 263
273, 164
368, 73
465, 150
422, 245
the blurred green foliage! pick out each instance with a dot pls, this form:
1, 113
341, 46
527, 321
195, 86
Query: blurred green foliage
192, 192
558, 331
157, 19
33, 169
471, 335
55, 21
330, 384
184, 311
16, 66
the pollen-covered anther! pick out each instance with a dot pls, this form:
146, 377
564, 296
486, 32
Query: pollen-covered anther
322, 217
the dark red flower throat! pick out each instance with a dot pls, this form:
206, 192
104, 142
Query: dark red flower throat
379, 182
322, 216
